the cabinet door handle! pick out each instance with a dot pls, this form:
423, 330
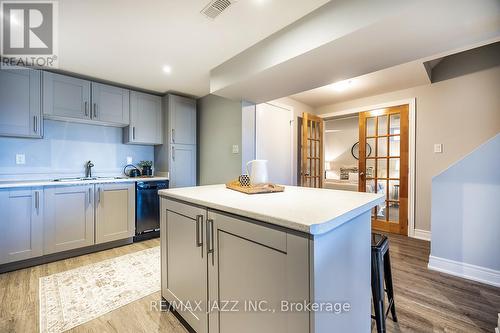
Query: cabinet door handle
37, 202
210, 237
133, 133
90, 195
199, 225
95, 110
35, 124
86, 109
99, 195
173, 153
173, 135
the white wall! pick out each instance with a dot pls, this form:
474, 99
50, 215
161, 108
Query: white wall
460, 113
273, 134
466, 216
298, 109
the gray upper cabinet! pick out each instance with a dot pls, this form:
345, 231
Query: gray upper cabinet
110, 104
21, 225
68, 98
145, 120
65, 97
115, 212
20, 103
69, 217
182, 120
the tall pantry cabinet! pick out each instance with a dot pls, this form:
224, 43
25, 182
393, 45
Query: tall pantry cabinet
177, 155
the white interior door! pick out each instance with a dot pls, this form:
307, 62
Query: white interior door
273, 136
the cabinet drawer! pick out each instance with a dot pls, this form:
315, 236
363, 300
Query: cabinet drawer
184, 209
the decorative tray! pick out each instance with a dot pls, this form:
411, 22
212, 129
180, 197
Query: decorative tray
264, 188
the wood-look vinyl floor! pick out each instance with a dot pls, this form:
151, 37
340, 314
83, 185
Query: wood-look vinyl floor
426, 301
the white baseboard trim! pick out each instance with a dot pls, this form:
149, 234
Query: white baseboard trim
466, 271
421, 234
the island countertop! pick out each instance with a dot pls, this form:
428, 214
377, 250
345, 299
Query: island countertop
310, 210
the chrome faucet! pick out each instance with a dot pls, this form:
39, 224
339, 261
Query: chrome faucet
88, 169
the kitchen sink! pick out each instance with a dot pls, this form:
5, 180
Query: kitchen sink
81, 179
73, 179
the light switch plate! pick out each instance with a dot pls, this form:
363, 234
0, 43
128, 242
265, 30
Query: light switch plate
129, 160
438, 148
236, 149
20, 159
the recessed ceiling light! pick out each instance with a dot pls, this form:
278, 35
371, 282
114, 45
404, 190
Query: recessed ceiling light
167, 69
341, 85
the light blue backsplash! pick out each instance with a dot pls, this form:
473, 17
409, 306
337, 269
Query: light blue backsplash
64, 150
466, 209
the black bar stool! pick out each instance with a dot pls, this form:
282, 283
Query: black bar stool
381, 270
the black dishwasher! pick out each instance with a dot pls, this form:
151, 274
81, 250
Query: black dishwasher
147, 209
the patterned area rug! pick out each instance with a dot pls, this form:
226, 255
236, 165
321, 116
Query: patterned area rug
73, 297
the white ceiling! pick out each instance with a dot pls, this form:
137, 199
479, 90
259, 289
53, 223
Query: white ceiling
129, 41
349, 38
395, 78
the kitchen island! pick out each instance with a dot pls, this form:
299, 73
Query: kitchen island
296, 261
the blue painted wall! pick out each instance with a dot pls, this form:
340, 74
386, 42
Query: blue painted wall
466, 209
64, 150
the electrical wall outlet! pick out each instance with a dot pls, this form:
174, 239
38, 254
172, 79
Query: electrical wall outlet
20, 159
129, 160
438, 148
236, 149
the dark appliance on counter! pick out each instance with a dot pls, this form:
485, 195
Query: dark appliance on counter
147, 209
134, 172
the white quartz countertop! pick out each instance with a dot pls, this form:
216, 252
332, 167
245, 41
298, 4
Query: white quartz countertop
47, 182
310, 210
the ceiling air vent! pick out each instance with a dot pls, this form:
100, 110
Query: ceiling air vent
216, 7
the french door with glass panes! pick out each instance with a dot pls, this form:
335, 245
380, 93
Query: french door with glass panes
383, 165
312, 166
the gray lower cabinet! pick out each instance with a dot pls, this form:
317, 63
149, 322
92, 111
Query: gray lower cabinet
184, 261
110, 105
69, 217
249, 263
66, 97
182, 165
241, 264
21, 224
115, 212
20, 103
145, 120
47, 220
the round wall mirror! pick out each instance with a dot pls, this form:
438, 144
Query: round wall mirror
355, 150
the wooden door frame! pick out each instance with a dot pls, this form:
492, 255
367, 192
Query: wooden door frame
411, 102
